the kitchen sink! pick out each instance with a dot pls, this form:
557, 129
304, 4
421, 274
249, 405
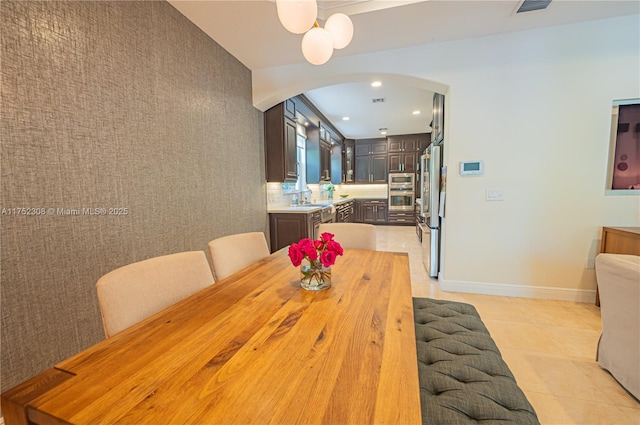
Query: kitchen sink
328, 211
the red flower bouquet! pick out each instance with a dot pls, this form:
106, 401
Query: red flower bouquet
321, 254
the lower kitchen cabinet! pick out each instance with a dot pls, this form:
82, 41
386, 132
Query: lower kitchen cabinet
401, 217
290, 228
372, 211
345, 212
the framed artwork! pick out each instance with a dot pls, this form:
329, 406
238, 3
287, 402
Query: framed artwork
623, 175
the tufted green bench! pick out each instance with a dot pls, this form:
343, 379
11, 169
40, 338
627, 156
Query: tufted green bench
463, 378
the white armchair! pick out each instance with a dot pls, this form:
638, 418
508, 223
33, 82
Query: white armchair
618, 278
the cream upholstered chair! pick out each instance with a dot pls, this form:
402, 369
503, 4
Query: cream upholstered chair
619, 346
136, 291
235, 252
352, 235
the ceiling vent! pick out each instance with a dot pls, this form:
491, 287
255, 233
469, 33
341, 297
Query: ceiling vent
531, 5
379, 100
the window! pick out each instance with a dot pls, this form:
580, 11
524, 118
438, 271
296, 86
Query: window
301, 184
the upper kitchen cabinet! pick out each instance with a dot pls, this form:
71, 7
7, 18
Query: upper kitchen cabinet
323, 147
348, 160
280, 143
325, 161
404, 151
437, 127
371, 147
403, 143
371, 161
336, 163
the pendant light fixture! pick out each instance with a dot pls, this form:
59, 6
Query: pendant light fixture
299, 16
317, 45
341, 29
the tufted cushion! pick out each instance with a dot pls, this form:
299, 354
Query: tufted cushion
463, 378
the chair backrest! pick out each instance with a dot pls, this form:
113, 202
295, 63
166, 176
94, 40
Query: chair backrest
136, 291
235, 252
352, 235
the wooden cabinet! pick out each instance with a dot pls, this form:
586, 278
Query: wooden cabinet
280, 143
290, 109
406, 143
403, 162
345, 212
336, 163
404, 152
371, 161
325, 161
373, 211
290, 228
619, 240
371, 147
348, 161
401, 217
358, 211
371, 169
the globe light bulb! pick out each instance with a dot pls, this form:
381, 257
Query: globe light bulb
340, 27
297, 16
317, 46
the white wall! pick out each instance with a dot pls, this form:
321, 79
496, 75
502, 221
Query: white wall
535, 106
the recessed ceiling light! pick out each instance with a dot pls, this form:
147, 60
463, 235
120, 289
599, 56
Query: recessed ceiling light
416, 112
345, 118
376, 84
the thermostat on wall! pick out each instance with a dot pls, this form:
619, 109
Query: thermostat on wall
471, 168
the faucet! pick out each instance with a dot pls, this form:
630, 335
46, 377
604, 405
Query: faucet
308, 198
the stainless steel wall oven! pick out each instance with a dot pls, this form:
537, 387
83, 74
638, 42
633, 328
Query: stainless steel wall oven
402, 194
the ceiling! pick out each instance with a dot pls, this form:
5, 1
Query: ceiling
251, 32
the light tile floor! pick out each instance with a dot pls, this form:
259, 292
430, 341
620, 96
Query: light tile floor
550, 346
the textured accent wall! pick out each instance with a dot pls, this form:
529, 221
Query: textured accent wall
127, 110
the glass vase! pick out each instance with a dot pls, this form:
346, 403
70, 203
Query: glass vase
315, 276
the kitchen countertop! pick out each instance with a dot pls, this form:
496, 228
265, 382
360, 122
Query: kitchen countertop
304, 209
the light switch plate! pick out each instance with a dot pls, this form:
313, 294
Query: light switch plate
495, 195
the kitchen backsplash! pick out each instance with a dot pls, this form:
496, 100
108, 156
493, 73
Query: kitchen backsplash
277, 197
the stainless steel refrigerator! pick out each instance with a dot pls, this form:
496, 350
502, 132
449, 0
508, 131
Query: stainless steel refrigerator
430, 175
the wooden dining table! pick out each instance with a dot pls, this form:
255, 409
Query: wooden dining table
253, 348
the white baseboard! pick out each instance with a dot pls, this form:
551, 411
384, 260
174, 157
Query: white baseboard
521, 291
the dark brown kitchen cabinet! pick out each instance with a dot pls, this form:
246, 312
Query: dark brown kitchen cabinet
374, 211
290, 109
403, 143
403, 162
290, 228
325, 133
401, 218
371, 169
345, 212
371, 161
348, 161
405, 150
371, 147
325, 161
336, 163
280, 144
